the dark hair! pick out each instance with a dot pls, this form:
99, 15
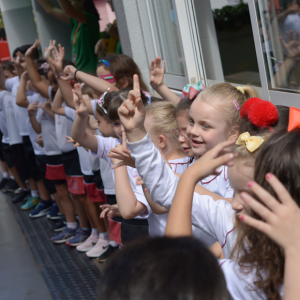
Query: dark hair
90, 8
280, 155
163, 268
9, 66
184, 104
38, 65
282, 124
285, 3
113, 101
23, 49
87, 90
123, 66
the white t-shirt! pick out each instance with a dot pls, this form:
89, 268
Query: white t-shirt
7, 107
241, 285
63, 127
21, 113
3, 128
215, 218
32, 134
83, 154
48, 133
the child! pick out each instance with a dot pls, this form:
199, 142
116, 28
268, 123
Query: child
98, 239
101, 146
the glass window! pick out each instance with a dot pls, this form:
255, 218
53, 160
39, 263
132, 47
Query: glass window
168, 36
279, 23
227, 42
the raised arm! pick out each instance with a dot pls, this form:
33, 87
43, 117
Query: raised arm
54, 11
32, 108
71, 11
21, 99
46, 107
79, 133
157, 81
180, 216
57, 104
41, 86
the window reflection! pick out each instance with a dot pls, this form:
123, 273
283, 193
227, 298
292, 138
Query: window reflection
279, 23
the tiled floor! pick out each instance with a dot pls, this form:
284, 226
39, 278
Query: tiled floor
32, 267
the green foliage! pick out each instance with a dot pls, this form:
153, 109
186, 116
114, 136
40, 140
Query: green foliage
1, 21
232, 17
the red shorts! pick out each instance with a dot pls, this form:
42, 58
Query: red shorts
55, 170
75, 185
94, 187
115, 231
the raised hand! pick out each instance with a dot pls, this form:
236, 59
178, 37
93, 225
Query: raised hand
57, 62
32, 108
157, 73
18, 60
281, 218
109, 211
293, 45
120, 155
46, 105
49, 49
132, 111
69, 72
80, 106
25, 76
70, 140
40, 141
30, 50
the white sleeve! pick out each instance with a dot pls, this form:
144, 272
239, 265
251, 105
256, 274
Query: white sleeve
94, 106
104, 146
159, 179
9, 83
70, 113
38, 114
229, 190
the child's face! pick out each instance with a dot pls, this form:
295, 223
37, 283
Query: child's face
118, 128
207, 127
102, 71
105, 126
7, 74
239, 176
182, 121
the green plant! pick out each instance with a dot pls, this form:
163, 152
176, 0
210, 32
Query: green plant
232, 17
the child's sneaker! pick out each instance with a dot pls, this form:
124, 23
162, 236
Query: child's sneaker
10, 186
3, 182
54, 213
64, 236
108, 253
79, 238
90, 242
42, 209
60, 224
101, 246
31, 202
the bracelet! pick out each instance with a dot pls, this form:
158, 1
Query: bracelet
58, 76
75, 74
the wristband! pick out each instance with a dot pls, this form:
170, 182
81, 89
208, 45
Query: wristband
75, 74
58, 76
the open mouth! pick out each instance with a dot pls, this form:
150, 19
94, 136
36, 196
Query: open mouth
185, 150
196, 143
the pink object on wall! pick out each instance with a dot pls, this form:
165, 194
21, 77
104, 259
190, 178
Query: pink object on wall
105, 12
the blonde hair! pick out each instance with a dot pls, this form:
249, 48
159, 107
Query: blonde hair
163, 120
222, 95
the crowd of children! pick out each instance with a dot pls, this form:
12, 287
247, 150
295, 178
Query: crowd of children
113, 165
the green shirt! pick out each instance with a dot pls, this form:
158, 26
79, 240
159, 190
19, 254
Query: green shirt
85, 40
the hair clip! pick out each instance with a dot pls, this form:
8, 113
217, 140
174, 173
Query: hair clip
108, 77
101, 101
192, 90
252, 142
104, 61
236, 105
45, 66
240, 88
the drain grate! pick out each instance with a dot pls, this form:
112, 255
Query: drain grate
67, 273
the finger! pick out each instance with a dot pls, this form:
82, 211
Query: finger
163, 66
265, 197
157, 62
280, 190
124, 140
259, 208
152, 65
136, 84
118, 165
257, 224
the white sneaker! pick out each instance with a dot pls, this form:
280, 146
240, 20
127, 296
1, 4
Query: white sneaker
99, 248
90, 242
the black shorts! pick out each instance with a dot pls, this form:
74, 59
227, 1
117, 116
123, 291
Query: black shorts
8, 155
1, 150
73, 172
55, 169
30, 159
41, 162
133, 229
19, 157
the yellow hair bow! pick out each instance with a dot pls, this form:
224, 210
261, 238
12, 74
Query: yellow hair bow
252, 142
240, 88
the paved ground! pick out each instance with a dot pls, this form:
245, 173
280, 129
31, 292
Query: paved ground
33, 268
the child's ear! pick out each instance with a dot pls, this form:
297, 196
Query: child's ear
234, 133
15, 73
124, 83
162, 141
